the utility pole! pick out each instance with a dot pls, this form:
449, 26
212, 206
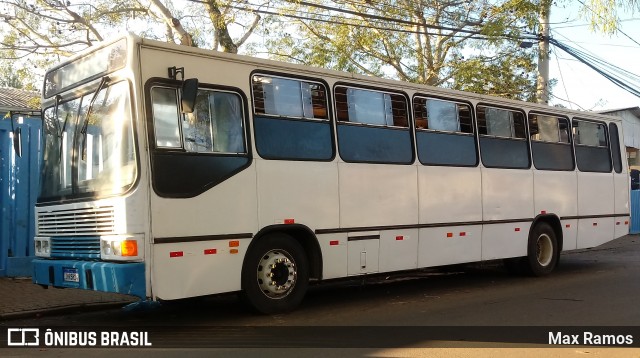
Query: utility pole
542, 90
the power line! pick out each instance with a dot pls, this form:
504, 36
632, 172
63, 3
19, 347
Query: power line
368, 16
624, 79
566, 93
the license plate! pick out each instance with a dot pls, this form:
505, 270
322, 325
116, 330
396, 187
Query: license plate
70, 275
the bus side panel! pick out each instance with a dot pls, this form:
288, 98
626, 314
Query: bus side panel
363, 256
377, 195
226, 209
450, 245
306, 192
556, 192
334, 255
190, 269
569, 234
449, 194
621, 187
595, 197
505, 240
398, 250
507, 194
595, 231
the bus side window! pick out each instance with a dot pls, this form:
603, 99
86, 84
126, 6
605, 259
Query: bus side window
291, 120
165, 117
592, 149
499, 122
444, 132
292, 98
373, 126
371, 107
615, 147
503, 139
550, 144
216, 124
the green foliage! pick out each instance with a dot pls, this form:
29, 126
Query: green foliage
38, 33
603, 15
470, 45
510, 76
21, 77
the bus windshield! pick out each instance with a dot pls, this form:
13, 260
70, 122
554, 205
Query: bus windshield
99, 162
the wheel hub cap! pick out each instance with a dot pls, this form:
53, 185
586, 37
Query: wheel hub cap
276, 274
544, 250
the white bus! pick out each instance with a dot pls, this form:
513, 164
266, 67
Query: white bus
265, 176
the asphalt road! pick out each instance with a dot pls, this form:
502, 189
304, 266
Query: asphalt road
592, 290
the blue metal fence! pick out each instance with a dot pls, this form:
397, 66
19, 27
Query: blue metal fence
635, 212
19, 182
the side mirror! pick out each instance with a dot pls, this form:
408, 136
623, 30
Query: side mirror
17, 141
189, 94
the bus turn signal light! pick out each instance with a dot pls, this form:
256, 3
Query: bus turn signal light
129, 248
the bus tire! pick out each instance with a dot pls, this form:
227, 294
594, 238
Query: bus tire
275, 274
542, 250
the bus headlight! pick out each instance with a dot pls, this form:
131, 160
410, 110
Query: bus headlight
122, 247
42, 246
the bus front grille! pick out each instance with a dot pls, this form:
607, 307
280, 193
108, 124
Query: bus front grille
76, 222
75, 247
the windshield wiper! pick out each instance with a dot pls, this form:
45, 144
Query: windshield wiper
85, 123
64, 127
59, 130
55, 116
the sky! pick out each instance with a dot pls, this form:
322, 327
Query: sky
580, 87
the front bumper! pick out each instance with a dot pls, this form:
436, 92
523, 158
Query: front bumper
125, 278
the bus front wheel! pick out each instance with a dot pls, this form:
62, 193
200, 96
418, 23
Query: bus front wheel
275, 274
542, 250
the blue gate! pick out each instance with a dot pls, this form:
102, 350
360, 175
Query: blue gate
635, 212
19, 185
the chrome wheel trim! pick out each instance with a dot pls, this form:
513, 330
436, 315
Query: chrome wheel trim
277, 274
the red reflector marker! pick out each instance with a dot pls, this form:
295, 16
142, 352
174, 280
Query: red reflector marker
176, 254
568, 226
449, 234
334, 242
595, 224
626, 223
463, 234
210, 251
289, 221
543, 212
399, 238
617, 222
517, 229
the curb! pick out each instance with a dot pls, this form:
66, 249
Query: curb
62, 310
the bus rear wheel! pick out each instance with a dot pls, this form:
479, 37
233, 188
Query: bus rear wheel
542, 250
275, 274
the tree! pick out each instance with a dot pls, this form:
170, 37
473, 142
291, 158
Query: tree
469, 45
37, 33
603, 14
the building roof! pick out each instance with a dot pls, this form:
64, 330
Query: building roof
13, 99
635, 110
